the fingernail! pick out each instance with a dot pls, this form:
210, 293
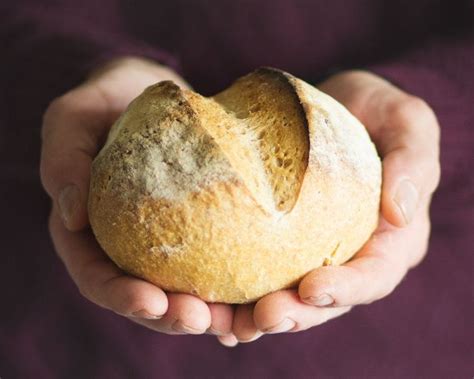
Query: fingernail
406, 199
257, 335
68, 202
322, 300
228, 340
179, 326
282, 327
142, 313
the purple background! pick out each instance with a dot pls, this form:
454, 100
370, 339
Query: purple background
424, 329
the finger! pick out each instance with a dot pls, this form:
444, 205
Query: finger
100, 280
409, 178
228, 340
373, 273
283, 311
222, 316
155, 325
409, 144
74, 127
186, 314
244, 327
406, 133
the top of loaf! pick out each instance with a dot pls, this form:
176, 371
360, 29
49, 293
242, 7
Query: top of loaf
173, 142
262, 130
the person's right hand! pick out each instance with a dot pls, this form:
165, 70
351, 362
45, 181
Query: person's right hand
75, 127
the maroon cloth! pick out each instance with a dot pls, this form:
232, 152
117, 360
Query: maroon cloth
47, 330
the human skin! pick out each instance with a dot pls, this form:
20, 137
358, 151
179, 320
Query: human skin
403, 127
406, 134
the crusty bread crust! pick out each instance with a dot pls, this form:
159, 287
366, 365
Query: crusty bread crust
235, 196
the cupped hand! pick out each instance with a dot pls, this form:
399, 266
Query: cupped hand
74, 129
406, 134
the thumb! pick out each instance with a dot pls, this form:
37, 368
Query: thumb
406, 133
74, 127
409, 145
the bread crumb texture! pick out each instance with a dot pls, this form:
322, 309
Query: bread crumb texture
237, 195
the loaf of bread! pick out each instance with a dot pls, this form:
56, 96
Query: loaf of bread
237, 195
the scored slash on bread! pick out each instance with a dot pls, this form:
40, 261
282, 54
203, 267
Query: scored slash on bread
234, 196
261, 128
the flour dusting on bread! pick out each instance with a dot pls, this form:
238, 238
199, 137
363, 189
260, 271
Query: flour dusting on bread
237, 195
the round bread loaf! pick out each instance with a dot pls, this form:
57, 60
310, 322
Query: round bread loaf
237, 195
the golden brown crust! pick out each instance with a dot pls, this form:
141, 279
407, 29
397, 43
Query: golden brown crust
181, 195
269, 108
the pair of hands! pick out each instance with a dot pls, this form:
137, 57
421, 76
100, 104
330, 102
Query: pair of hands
403, 128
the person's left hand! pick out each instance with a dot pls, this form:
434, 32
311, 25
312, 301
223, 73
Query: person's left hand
406, 133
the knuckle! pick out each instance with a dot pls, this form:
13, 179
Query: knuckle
46, 126
436, 175
411, 109
64, 102
382, 269
57, 105
82, 105
85, 292
415, 104
416, 259
130, 303
44, 176
389, 283
421, 249
44, 171
385, 289
122, 297
86, 281
72, 102
419, 160
50, 171
82, 280
427, 169
56, 108
408, 106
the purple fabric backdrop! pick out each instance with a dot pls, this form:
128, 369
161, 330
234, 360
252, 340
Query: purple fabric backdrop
424, 329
